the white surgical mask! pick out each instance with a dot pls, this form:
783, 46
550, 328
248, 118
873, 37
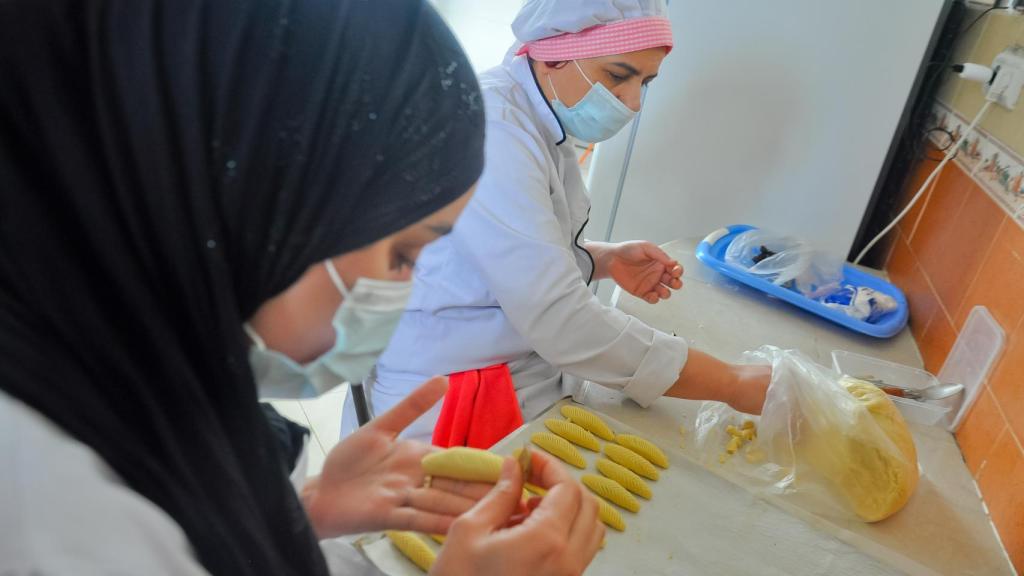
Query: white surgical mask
598, 116
363, 325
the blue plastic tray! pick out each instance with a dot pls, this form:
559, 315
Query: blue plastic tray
711, 251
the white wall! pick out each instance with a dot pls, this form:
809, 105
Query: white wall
778, 114
483, 27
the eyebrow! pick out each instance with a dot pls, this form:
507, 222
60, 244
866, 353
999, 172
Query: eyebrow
626, 67
632, 70
440, 229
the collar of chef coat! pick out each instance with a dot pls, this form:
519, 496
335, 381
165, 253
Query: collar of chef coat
523, 74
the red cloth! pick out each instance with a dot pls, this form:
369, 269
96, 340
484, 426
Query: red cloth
479, 408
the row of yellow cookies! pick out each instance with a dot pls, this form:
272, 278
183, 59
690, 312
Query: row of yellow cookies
628, 458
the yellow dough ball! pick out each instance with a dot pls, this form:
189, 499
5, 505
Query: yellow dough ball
871, 460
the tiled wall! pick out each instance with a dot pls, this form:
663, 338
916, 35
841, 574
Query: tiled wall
959, 248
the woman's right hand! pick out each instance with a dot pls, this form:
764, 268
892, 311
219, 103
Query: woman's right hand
560, 536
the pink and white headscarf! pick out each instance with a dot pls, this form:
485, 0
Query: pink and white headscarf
556, 30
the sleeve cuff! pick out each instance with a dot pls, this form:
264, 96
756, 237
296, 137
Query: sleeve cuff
659, 369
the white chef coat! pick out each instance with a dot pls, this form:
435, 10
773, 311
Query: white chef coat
63, 510
510, 283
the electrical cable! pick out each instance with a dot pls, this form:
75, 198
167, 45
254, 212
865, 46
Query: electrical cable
995, 6
944, 66
952, 151
916, 133
952, 139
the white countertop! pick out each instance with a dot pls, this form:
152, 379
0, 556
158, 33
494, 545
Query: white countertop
944, 528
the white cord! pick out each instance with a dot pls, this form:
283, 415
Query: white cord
949, 156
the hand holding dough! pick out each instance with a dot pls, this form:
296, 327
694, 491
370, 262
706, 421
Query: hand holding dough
461, 463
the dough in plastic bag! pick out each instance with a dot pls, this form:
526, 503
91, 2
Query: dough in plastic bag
830, 444
875, 479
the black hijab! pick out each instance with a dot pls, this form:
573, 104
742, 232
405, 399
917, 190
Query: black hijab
166, 167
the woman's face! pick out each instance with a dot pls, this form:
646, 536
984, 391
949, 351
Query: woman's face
297, 322
624, 75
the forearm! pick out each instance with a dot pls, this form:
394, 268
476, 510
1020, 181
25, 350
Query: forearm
705, 377
601, 253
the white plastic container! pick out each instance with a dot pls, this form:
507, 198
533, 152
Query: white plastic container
868, 368
973, 356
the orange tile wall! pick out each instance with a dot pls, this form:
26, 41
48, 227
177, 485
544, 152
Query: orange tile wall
955, 250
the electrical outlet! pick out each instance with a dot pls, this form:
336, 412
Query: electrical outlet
1004, 89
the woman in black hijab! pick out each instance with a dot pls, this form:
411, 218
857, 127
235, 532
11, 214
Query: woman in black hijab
166, 168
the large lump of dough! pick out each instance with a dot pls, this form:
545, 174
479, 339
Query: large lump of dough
870, 459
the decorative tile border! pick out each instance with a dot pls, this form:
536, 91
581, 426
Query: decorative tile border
993, 165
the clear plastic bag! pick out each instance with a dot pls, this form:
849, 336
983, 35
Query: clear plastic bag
831, 445
784, 259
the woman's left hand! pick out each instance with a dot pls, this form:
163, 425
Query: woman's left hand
373, 481
643, 270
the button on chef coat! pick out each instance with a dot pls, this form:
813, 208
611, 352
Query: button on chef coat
510, 283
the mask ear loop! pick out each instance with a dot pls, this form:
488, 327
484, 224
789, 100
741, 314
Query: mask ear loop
336, 278
582, 73
552, 84
260, 344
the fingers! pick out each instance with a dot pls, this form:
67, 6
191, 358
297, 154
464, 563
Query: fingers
672, 282
418, 521
471, 490
672, 276
560, 505
412, 407
558, 509
597, 533
495, 509
587, 531
656, 294
546, 472
655, 253
438, 501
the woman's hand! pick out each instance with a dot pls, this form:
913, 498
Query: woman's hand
373, 481
560, 536
751, 387
638, 267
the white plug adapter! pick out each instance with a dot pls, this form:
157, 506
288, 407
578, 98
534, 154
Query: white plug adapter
1005, 86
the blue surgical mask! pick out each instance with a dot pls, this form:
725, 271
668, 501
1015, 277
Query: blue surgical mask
598, 116
363, 325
